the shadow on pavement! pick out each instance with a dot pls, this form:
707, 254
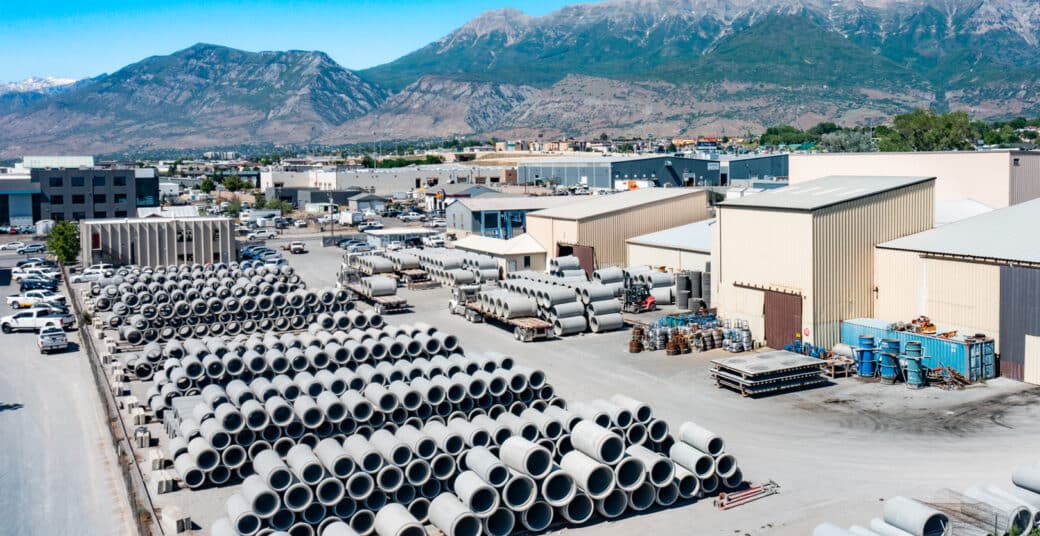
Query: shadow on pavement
4, 406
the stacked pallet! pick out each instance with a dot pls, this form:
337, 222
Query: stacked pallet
767, 372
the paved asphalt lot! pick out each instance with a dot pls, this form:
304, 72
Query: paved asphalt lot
58, 472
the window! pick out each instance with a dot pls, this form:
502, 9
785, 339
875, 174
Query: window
527, 261
120, 213
78, 199
57, 200
216, 234
78, 182
187, 235
100, 214
79, 216
1016, 162
56, 182
119, 181
120, 198
100, 198
99, 181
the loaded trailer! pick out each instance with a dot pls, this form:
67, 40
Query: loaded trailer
464, 303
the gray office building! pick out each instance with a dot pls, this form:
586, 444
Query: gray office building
661, 170
76, 194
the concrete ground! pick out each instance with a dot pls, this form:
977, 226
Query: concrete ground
58, 470
836, 451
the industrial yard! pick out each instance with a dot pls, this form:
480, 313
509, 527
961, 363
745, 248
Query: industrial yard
834, 451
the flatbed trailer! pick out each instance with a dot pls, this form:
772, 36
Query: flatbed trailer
381, 304
416, 279
525, 329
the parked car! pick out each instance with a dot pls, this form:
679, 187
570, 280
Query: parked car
52, 339
300, 224
275, 261
35, 320
345, 244
50, 306
394, 246
297, 247
368, 225
104, 267
12, 246
411, 216
19, 274
436, 222
88, 275
37, 283
40, 260
359, 248
433, 242
32, 297
262, 235
32, 248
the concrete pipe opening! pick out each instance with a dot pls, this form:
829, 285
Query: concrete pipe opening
359, 485
594, 478
263, 501
430, 489
219, 475
725, 466
635, 434
297, 497
642, 497
479, 497
733, 481
667, 494
442, 466
597, 442
189, 473
537, 518
389, 478
709, 485
205, 457
519, 492
613, 505
579, 510
701, 464
420, 509
451, 516
243, 520
689, 484
329, 491
417, 472
499, 523
345, 508
363, 522
233, 456
558, 488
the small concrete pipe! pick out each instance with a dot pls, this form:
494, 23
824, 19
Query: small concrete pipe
279, 410
699, 463
537, 518
447, 439
360, 408
243, 520
487, 466
914, 517
659, 470
305, 465
726, 466
591, 414
526, 457
390, 447
500, 522
451, 516
307, 410
1027, 477
365, 456
472, 435
642, 497
641, 412
202, 454
188, 472
592, 477
395, 520
422, 445
689, 484
547, 425
597, 442
262, 500
334, 458
701, 439
476, 494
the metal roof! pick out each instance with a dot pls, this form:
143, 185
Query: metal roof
1001, 234
176, 211
483, 203
599, 205
519, 245
690, 237
950, 211
402, 231
823, 192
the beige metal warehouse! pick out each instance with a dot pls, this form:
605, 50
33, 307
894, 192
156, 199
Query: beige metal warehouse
795, 262
157, 241
994, 178
979, 275
686, 247
518, 253
595, 229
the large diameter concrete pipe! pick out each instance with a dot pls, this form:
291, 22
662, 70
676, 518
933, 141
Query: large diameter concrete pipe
558, 488
188, 472
688, 483
699, 463
202, 454
597, 442
568, 309
1019, 519
394, 519
243, 520
500, 522
629, 473
359, 485
305, 465
607, 322
1027, 477
476, 494
578, 510
914, 517
487, 466
604, 307
701, 439
365, 456
526, 457
335, 459
569, 326
270, 467
642, 497
451, 516
659, 470
361, 410
519, 492
592, 477
537, 518
261, 499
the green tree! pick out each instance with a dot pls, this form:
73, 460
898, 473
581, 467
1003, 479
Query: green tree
847, 141
277, 204
925, 130
604, 137
234, 208
368, 162
235, 183
63, 241
207, 185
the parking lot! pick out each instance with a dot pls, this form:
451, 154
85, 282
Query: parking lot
58, 471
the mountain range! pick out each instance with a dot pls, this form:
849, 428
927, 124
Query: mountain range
625, 67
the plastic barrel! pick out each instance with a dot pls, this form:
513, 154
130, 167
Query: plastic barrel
867, 366
889, 360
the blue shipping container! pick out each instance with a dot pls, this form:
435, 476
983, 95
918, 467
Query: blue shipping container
975, 360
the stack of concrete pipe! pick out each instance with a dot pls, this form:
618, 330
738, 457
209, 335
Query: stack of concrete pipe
567, 268
373, 265
219, 434
662, 284
378, 285
612, 277
511, 473
592, 305
402, 260
979, 509
452, 267
555, 303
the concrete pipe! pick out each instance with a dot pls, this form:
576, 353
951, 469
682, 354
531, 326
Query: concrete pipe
340, 321
375, 320
381, 397
448, 342
659, 470
389, 478
411, 347
451, 516
325, 321
337, 353
526, 457
214, 433
317, 358
219, 476
830, 529
380, 286
472, 435
487, 466
307, 410
663, 295
243, 520
597, 442
537, 518
365, 456
443, 466
1017, 517
276, 361
279, 411
592, 477
305, 465
334, 458
374, 348
261, 499
308, 384
566, 417
297, 497
430, 345
548, 426
233, 364
604, 323
256, 417
635, 434
879, 526
297, 322
229, 417
329, 491
667, 494
558, 488
298, 361
333, 408
476, 494
1021, 497
422, 445
657, 430
390, 447
710, 485
395, 520
701, 439
569, 326
578, 510
363, 522
499, 432
640, 411
733, 481
688, 483
188, 472
359, 485
447, 439
1027, 477
286, 387
360, 408
409, 397
725, 466
567, 309
417, 472
642, 497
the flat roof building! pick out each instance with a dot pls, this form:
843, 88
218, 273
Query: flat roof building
795, 262
595, 229
75, 194
519, 253
979, 275
686, 247
498, 216
157, 241
994, 178
608, 172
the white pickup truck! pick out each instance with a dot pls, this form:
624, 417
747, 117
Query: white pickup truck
32, 297
35, 320
52, 339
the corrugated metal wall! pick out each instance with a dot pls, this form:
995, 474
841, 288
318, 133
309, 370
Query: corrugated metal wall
1025, 177
899, 277
673, 259
607, 234
783, 318
1019, 318
844, 237
156, 243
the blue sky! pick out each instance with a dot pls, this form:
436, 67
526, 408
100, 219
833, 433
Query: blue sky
80, 38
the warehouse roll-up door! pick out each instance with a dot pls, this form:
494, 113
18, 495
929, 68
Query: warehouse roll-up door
783, 318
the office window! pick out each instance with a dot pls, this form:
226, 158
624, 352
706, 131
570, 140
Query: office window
99, 181
78, 199
187, 235
78, 182
100, 214
1017, 163
57, 200
56, 182
119, 198
119, 181
100, 198
79, 215
120, 213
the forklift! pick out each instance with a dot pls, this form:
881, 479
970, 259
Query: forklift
637, 299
